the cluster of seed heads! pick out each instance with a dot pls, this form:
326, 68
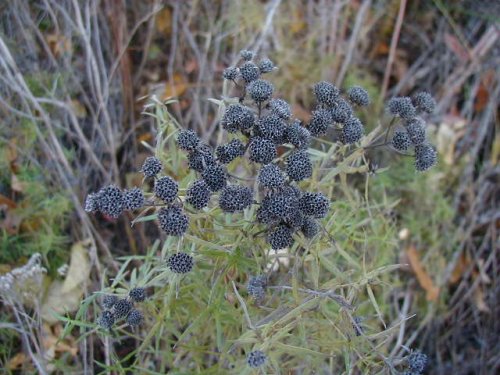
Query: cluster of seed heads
115, 309
411, 131
111, 201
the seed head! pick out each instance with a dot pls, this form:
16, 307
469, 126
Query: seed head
235, 198
425, 157
266, 66
109, 301
92, 202
401, 140
198, 194
111, 201
256, 359
402, 107
280, 108
298, 165
226, 153
359, 96
246, 54
137, 294
134, 199
320, 121
265, 217
271, 127
135, 318
260, 90
230, 73
200, 158
262, 150
417, 361
151, 166
352, 131
106, 320
326, 93
271, 176
416, 130
281, 204
314, 204
298, 135
214, 176
256, 287
121, 308
310, 227
249, 72
173, 221
280, 238
295, 220
424, 102
188, 140
180, 263
341, 112
237, 118
166, 188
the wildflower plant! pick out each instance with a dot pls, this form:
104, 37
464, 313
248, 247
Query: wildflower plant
270, 199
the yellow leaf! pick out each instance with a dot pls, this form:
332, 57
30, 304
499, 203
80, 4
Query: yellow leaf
422, 276
164, 21
176, 89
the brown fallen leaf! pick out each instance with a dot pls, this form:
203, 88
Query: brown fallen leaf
17, 361
460, 267
479, 300
178, 88
163, 21
423, 277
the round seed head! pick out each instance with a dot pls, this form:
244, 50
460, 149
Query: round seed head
280, 108
417, 361
314, 204
106, 320
416, 130
134, 199
256, 287
425, 157
341, 112
188, 140
137, 294
235, 198
295, 220
326, 93
246, 54
230, 73
424, 102
256, 359
402, 107
198, 194
401, 140
249, 72
320, 121
298, 135
298, 165
260, 90
266, 66
121, 308
200, 158
173, 221
352, 131
271, 176
111, 201
310, 227
262, 150
359, 95
271, 127
236, 118
109, 301
226, 153
166, 188
281, 204
265, 217
92, 202
280, 237
151, 166
135, 318
214, 176
180, 263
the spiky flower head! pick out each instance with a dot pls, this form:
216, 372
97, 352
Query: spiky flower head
111, 201
280, 108
166, 188
92, 202
134, 199
180, 263
352, 131
247, 55
173, 221
417, 361
237, 118
151, 166
314, 204
256, 287
271, 127
249, 72
416, 130
326, 93
320, 120
266, 66
106, 320
262, 150
310, 227
341, 112
188, 140
295, 220
281, 204
271, 176
226, 153
425, 157
424, 102
230, 73
402, 107
235, 198
298, 165
109, 301
201, 158
280, 237
400, 140
135, 318
198, 194
137, 294
121, 308
260, 90
359, 95
214, 176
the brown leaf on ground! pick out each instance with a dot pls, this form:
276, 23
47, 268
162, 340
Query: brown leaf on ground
423, 277
17, 361
479, 300
461, 266
178, 88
